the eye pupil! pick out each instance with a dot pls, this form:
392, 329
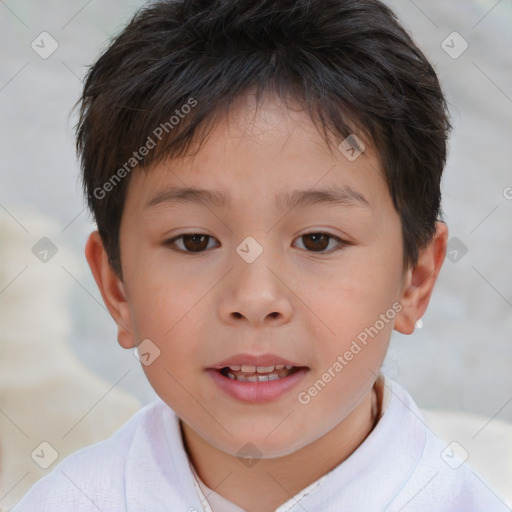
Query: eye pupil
196, 240
316, 237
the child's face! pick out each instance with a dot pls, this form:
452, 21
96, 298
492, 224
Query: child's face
301, 300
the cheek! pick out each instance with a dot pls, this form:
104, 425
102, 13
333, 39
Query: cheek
171, 305
162, 295
357, 306
353, 296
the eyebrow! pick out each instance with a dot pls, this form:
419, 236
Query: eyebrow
334, 195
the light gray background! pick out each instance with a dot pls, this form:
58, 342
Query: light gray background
462, 357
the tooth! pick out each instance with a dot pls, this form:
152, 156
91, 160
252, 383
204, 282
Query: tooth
255, 377
265, 369
235, 368
279, 366
248, 368
288, 367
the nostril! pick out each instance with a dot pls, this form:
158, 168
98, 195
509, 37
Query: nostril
274, 314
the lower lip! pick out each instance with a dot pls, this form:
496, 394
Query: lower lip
256, 392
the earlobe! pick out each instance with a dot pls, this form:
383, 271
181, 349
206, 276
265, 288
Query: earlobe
420, 280
111, 288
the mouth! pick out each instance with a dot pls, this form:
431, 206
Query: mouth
256, 379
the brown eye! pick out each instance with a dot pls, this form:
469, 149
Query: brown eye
319, 242
193, 242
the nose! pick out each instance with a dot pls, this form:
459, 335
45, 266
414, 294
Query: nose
256, 293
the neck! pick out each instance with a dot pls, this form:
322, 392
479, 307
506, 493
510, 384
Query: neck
271, 482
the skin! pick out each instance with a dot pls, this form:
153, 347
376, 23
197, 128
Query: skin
300, 299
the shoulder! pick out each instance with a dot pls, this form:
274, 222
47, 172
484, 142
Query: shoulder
95, 476
439, 479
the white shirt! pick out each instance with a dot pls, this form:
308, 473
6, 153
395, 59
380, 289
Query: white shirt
400, 467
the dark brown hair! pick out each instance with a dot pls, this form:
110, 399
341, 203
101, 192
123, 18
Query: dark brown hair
157, 89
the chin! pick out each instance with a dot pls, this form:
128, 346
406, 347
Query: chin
261, 447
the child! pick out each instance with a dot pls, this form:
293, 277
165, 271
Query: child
221, 141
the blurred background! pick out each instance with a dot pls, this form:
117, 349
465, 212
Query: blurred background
459, 360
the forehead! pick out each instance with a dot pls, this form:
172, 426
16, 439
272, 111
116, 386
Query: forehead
260, 150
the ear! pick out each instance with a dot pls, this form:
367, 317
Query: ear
111, 288
419, 281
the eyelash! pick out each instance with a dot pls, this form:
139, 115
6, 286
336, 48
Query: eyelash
341, 243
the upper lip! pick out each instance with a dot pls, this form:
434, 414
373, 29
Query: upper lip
253, 360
